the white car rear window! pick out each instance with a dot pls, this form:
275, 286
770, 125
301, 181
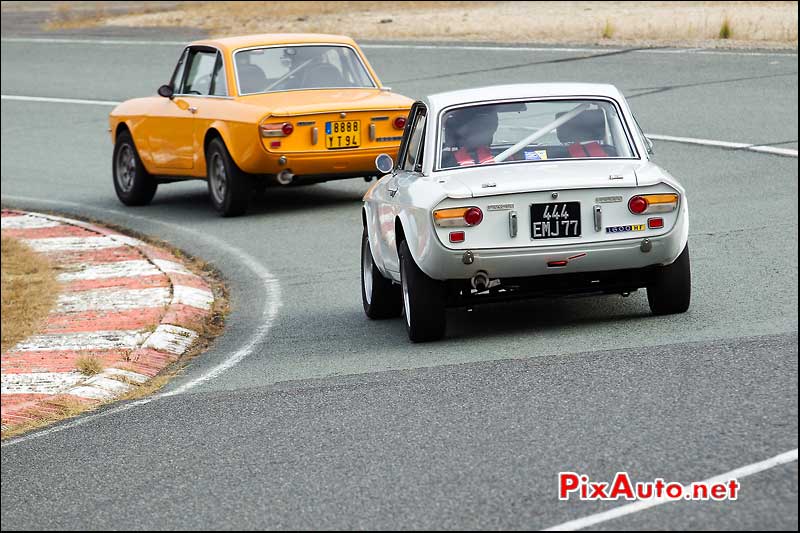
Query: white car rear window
532, 131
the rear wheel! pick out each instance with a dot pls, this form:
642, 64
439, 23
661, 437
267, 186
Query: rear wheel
381, 297
671, 290
133, 184
228, 187
423, 300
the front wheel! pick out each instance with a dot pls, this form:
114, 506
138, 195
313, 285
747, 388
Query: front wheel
381, 297
423, 300
671, 289
132, 183
228, 187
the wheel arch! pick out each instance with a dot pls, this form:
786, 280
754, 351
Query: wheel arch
121, 127
220, 130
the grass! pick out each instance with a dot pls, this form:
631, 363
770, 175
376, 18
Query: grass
89, 365
725, 31
29, 291
769, 23
608, 30
55, 409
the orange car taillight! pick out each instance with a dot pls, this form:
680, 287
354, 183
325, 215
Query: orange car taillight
646, 204
458, 216
276, 129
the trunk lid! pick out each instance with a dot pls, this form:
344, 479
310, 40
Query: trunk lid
316, 116
541, 176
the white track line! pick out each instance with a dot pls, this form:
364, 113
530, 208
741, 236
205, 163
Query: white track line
641, 505
58, 40
411, 46
787, 152
268, 314
59, 100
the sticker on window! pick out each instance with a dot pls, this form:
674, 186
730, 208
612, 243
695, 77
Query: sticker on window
535, 155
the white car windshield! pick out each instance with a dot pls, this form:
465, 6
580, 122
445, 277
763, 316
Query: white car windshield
291, 68
532, 131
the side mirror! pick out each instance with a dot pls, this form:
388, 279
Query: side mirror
649, 145
166, 91
384, 163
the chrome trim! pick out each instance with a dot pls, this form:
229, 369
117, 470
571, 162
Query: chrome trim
379, 119
598, 218
626, 127
314, 135
306, 123
287, 45
512, 223
224, 65
372, 132
330, 112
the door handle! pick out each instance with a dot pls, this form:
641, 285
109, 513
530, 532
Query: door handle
192, 109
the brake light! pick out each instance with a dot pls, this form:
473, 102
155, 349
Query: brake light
458, 216
655, 223
637, 205
653, 203
276, 129
473, 216
399, 123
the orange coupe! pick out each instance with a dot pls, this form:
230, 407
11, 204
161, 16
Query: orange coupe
247, 112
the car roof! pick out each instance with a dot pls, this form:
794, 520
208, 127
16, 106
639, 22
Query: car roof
521, 90
231, 44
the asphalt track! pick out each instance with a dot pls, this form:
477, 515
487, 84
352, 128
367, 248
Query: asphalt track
328, 420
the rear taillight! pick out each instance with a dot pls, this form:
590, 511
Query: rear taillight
276, 129
473, 216
646, 204
637, 205
458, 216
399, 123
655, 223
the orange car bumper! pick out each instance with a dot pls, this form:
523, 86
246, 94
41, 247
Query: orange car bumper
333, 163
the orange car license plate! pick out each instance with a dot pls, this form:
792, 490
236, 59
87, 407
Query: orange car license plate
342, 134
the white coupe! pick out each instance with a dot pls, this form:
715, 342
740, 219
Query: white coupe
519, 191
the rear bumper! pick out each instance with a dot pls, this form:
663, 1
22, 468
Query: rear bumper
330, 164
446, 264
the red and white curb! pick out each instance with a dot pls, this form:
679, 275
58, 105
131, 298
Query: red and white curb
132, 305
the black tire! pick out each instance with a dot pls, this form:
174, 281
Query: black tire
671, 289
133, 184
424, 300
229, 188
381, 297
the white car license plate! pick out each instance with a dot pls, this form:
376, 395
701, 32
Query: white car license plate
556, 220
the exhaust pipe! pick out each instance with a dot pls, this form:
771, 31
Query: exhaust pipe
480, 281
285, 177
